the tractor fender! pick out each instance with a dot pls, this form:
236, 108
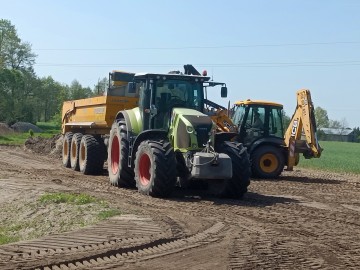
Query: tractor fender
151, 134
132, 120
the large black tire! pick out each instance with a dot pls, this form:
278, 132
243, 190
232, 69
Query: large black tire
74, 152
120, 174
237, 186
91, 159
155, 168
267, 162
66, 147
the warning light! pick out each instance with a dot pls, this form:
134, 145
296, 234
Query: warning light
204, 73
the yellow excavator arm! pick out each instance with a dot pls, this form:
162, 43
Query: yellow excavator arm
300, 136
220, 116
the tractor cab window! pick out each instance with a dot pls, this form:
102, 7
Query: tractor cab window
253, 126
172, 93
256, 117
275, 123
238, 113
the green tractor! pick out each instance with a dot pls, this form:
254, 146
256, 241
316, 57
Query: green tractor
169, 141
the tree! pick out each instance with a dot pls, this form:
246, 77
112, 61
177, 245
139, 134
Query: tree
47, 95
286, 120
14, 53
101, 86
321, 118
76, 91
356, 134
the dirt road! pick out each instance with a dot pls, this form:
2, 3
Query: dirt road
304, 220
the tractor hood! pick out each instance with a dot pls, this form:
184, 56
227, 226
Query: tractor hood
190, 129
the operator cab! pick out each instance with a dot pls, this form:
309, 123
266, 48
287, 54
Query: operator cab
161, 93
257, 119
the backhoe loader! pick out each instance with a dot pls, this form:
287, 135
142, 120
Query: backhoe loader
259, 126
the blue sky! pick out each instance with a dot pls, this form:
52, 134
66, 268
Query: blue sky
261, 49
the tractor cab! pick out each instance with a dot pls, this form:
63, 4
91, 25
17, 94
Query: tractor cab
258, 119
161, 93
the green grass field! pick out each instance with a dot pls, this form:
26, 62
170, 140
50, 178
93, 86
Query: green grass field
336, 157
16, 138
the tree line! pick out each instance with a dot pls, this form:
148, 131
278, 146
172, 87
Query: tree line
24, 96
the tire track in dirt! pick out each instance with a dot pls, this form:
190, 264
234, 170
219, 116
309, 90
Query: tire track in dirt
77, 253
290, 217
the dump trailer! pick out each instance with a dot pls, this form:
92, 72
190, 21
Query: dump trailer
259, 126
86, 123
164, 141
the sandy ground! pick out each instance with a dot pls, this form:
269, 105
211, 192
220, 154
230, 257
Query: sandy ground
304, 220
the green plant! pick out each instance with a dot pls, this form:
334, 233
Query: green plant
109, 213
5, 239
31, 132
77, 199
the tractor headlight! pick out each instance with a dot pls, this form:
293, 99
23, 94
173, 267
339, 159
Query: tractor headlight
189, 129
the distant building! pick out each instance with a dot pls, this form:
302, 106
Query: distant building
337, 134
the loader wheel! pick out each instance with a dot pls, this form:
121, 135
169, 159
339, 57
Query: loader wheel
119, 172
235, 187
66, 149
155, 168
74, 151
91, 155
267, 162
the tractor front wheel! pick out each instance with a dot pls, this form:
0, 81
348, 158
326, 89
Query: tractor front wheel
155, 168
237, 186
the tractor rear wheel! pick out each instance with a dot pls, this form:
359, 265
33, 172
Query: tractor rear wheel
74, 152
119, 173
66, 149
91, 159
155, 168
267, 162
235, 187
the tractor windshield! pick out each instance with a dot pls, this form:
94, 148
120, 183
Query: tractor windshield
173, 93
169, 94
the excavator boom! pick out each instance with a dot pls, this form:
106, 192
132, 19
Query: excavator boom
300, 136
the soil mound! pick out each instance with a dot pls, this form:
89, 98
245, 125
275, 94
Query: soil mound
46, 146
5, 129
25, 127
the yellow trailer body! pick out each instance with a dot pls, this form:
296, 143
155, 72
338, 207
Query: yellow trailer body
94, 115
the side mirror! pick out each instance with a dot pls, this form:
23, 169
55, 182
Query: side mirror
132, 87
224, 92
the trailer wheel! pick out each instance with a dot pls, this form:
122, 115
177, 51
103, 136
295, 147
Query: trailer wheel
267, 162
74, 151
235, 187
91, 155
119, 172
155, 168
66, 149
